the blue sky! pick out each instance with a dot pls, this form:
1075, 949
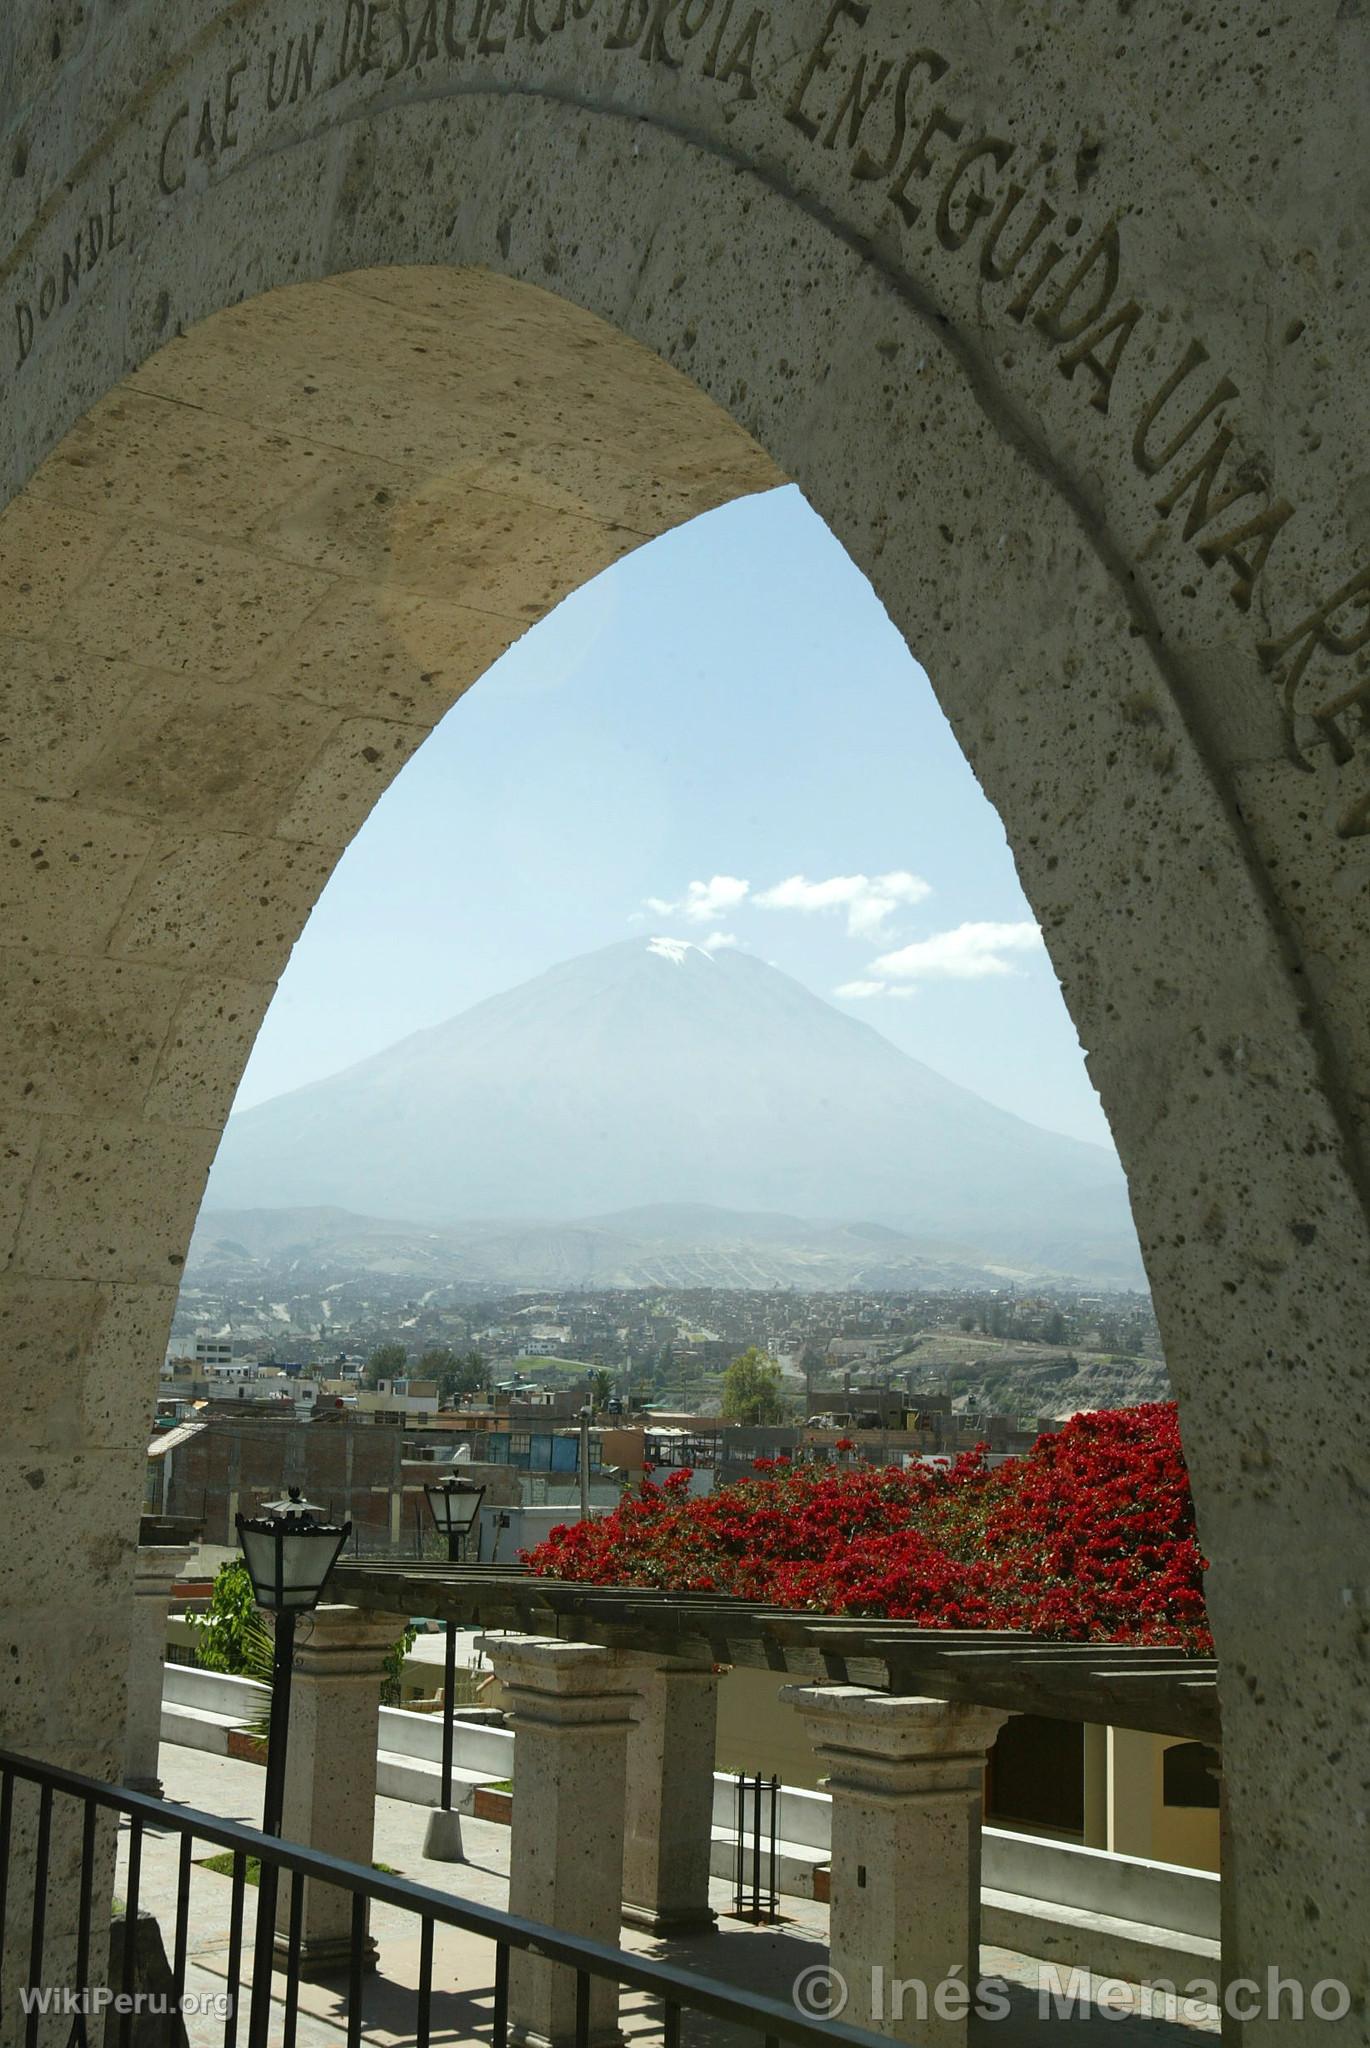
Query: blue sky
728, 706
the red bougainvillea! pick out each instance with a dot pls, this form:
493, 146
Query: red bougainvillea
1091, 1535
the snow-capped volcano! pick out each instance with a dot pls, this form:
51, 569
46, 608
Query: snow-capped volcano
658, 1071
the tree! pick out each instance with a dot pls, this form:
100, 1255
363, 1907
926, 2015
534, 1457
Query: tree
751, 1389
231, 1635
601, 1387
438, 1363
387, 1362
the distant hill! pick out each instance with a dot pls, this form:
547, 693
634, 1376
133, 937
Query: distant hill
268, 1251
652, 1076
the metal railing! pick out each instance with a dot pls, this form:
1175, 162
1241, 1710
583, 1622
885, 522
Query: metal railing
253, 1981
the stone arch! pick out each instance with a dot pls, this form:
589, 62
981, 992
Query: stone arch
1103, 501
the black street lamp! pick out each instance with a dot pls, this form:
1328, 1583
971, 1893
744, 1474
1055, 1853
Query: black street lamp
454, 1504
289, 1554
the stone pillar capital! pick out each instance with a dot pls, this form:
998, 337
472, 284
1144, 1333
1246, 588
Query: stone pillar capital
895, 1744
156, 1568
336, 1643
561, 1686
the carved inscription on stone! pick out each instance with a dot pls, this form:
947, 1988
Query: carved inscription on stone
956, 190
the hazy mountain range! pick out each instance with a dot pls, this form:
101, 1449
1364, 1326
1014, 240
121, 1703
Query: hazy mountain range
655, 1076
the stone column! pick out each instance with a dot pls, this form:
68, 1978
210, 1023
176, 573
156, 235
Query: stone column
155, 1570
907, 1783
330, 1774
570, 1709
670, 1798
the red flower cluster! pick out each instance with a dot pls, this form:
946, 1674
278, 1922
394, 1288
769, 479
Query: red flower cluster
1091, 1535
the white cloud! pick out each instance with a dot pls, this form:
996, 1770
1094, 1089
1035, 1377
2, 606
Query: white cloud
867, 900
704, 902
970, 953
857, 991
718, 942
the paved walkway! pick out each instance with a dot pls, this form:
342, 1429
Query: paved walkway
756, 1959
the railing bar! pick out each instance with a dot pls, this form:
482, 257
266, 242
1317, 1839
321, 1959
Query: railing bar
40, 1906
82, 1977
671, 2034
756, 1848
6, 1816
582, 2009
178, 1963
235, 1947
423, 2017
499, 2033
135, 1879
354, 1971
292, 1960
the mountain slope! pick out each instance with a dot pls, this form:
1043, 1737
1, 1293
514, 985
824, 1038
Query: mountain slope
653, 1073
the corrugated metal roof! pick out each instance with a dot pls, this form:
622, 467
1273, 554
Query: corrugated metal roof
168, 1439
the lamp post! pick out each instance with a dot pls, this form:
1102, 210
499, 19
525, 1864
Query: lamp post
454, 1504
583, 1463
289, 1554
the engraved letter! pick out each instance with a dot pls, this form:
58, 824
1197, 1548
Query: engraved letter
990, 266
856, 102
939, 122
1086, 352
623, 37
276, 99
168, 183
114, 235
655, 49
228, 134
24, 315
1224, 389
955, 234
71, 268
1263, 527
868, 166
1053, 320
204, 138
491, 46
1317, 631
742, 62
819, 59
452, 42
425, 44
711, 61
